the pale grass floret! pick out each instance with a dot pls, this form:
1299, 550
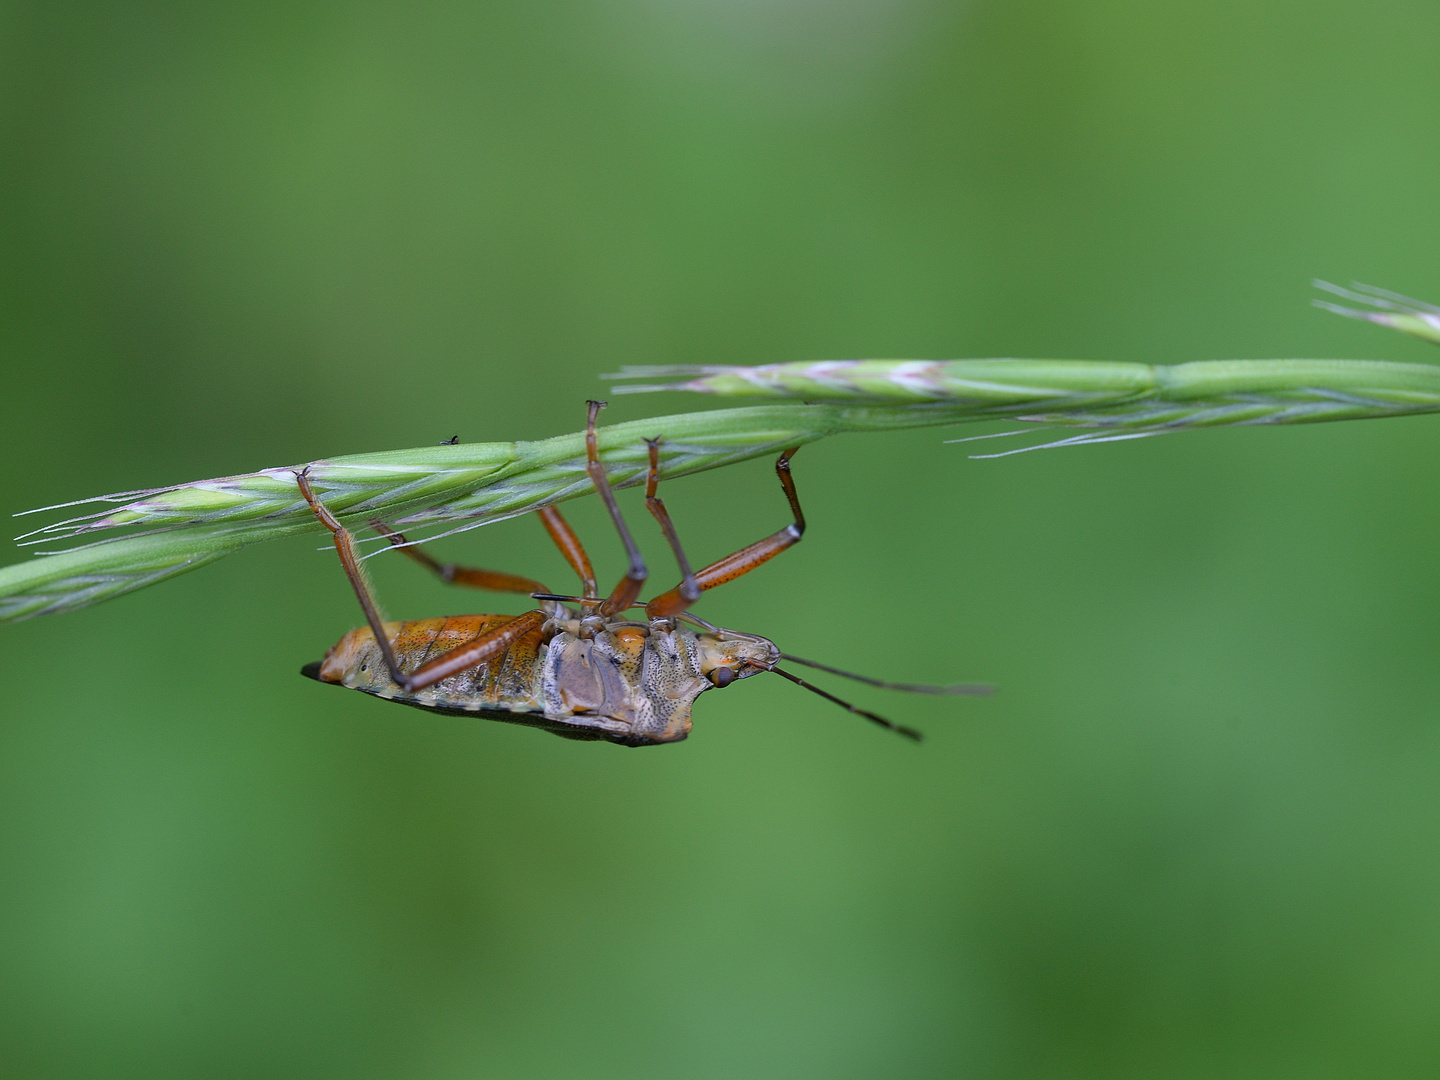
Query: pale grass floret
1386, 308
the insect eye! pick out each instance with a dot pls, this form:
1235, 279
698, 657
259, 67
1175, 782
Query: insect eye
722, 676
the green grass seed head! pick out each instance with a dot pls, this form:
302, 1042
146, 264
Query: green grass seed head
141, 537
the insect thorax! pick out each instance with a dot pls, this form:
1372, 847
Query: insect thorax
639, 681
629, 679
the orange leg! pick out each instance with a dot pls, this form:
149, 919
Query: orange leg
744, 560
628, 588
452, 574
570, 546
473, 652
456, 660
459, 575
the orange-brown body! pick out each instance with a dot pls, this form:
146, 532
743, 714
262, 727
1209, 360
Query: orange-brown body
625, 682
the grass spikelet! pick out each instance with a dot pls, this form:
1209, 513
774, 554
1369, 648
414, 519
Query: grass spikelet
1115, 401
1409, 316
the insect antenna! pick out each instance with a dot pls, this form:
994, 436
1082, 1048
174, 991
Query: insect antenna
909, 688
899, 729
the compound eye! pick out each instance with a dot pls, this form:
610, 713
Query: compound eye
722, 676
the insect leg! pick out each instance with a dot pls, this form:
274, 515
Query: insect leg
570, 546
475, 651
459, 575
452, 574
345, 548
628, 588
744, 560
688, 588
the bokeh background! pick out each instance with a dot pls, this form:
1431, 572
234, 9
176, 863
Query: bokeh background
1196, 833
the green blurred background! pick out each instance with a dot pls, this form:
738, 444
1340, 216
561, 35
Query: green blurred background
1196, 833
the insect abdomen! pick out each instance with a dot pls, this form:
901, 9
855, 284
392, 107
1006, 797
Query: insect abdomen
507, 681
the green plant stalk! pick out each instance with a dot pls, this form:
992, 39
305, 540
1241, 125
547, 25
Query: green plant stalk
1078, 392
1116, 400
168, 531
154, 535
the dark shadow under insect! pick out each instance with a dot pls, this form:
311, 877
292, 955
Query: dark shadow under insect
583, 671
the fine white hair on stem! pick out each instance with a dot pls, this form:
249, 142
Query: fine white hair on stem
1380, 298
1073, 440
994, 435
114, 497
1384, 308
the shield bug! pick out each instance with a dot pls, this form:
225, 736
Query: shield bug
575, 665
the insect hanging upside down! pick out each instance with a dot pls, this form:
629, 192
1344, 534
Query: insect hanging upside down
584, 672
